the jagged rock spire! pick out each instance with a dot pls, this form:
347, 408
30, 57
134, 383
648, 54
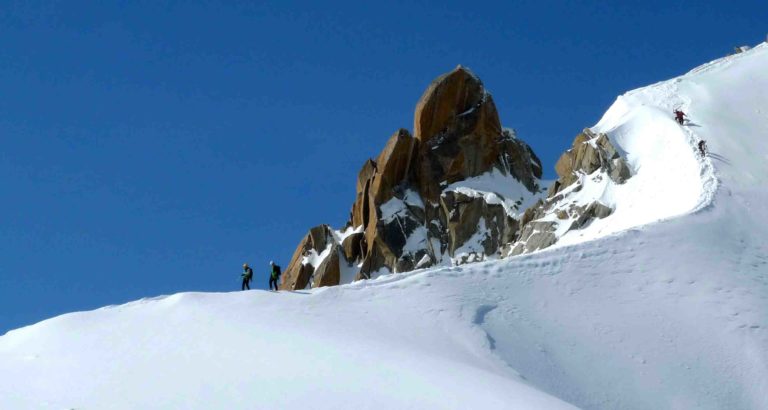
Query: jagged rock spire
402, 218
458, 127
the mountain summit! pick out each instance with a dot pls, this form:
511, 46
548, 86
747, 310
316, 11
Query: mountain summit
451, 193
462, 189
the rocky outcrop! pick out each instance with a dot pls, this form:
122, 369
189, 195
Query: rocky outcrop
381, 182
387, 235
458, 128
392, 166
590, 152
353, 246
407, 217
411, 209
360, 209
419, 203
591, 156
539, 233
740, 49
307, 258
468, 216
584, 214
328, 270
519, 159
535, 235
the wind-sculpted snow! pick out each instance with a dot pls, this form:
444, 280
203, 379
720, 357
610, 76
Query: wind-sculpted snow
665, 308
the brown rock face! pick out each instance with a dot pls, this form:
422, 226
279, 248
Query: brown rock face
297, 275
387, 235
590, 152
393, 166
467, 215
534, 236
366, 173
379, 182
589, 212
519, 159
328, 272
360, 209
458, 130
402, 217
352, 247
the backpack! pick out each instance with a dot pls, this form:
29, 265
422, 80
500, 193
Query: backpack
276, 271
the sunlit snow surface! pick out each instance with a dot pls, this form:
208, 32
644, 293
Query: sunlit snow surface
663, 305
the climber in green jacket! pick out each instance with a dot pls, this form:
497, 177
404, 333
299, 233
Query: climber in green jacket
247, 276
274, 275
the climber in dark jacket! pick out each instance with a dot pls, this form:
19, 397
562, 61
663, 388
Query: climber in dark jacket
247, 276
679, 116
274, 275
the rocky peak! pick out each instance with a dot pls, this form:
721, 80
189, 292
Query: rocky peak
420, 203
447, 103
458, 129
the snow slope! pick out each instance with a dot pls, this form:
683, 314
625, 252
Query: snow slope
334, 348
664, 305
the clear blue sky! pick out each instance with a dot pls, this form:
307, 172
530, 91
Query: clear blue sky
153, 148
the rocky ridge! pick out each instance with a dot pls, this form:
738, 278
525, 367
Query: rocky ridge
591, 156
460, 189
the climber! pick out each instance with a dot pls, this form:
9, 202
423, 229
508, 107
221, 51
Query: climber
679, 116
247, 275
274, 275
703, 148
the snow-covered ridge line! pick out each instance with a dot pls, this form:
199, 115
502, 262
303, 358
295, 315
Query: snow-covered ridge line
670, 176
722, 62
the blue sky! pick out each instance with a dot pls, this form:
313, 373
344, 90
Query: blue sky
151, 148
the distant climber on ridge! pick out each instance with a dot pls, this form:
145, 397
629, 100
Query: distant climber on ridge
703, 148
247, 276
274, 275
679, 116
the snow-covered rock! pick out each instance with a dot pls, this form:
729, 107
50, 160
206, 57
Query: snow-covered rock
592, 157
